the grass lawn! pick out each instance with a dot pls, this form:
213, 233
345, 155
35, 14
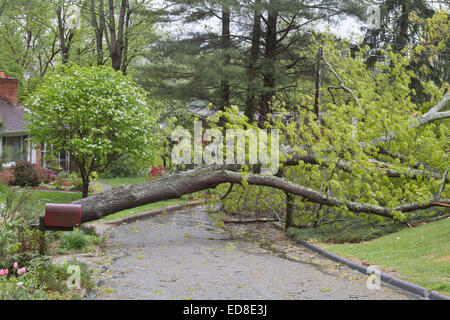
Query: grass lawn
49, 197
117, 182
421, 254
147, 207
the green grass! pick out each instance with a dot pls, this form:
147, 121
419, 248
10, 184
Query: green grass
147, 207
78, 240
421, 255
353, 231
117, 182
49, 197
75, 240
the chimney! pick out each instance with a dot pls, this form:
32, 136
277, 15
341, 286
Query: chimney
8, 88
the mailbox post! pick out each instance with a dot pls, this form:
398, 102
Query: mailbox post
58, 217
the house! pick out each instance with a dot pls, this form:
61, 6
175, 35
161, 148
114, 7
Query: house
14, 144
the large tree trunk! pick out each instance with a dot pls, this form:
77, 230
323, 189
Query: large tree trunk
252, 71
65, 40
269, 64
99, 29
125, 60
225, 46
117, 37
403, 37
175, 185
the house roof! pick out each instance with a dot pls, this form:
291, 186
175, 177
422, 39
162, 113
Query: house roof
12, 118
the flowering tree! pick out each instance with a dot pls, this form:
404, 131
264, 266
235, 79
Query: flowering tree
96, 114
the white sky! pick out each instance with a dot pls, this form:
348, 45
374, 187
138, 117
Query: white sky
347, 28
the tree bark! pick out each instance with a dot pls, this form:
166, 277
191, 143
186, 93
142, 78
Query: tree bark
65, 41
269, 64
126, 41
252, 71
403, 37
99, 29
85, 188
318, 82
225, 46
289, 210
249, 220
117, 37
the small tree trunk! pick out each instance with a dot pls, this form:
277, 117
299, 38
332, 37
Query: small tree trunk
289, 210
85, 186
318, 81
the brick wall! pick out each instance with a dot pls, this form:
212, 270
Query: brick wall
6, 175
8, 88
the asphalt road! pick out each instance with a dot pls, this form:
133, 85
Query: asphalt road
182, 255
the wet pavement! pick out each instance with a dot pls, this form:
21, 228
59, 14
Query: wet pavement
182, 255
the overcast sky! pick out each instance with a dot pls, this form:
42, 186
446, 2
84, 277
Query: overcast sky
347, 27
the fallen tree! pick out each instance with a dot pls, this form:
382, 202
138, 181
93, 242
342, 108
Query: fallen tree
175, 185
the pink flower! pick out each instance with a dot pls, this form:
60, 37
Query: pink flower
15, 265
2, 272
5, 272
21, 271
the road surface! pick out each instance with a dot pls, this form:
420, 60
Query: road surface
182, 255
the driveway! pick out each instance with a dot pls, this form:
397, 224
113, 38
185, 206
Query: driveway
182, 255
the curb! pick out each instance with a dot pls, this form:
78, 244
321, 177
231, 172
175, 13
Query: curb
396, 282
147, 214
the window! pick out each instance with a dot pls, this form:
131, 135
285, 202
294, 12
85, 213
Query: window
15, 148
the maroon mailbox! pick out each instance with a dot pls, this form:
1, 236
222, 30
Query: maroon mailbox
62, 215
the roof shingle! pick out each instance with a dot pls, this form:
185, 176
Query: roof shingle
12, 118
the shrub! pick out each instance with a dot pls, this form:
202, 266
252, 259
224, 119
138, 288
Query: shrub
43, 280
75, 240
16, 215
7, 238
74, 180
26, 174
20, 208
44, 174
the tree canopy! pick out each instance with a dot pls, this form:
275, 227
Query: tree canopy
96, 114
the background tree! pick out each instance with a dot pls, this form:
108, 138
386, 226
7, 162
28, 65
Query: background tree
37, 36
28, 41
400, 28
96, 114
257, 54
